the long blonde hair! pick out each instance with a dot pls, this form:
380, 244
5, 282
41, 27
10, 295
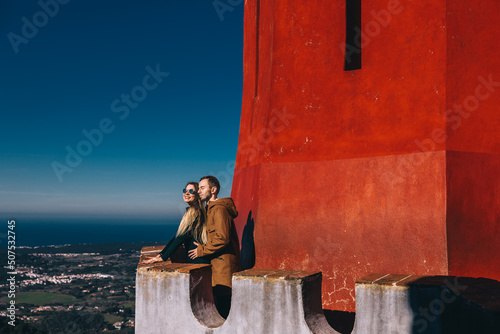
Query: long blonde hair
194, 219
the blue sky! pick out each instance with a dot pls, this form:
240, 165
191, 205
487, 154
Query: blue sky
101, 67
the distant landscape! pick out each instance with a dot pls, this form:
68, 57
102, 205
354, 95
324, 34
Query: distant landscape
85, 288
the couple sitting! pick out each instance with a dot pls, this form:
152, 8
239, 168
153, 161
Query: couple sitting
209, 236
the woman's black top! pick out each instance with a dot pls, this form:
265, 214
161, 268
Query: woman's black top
188, 240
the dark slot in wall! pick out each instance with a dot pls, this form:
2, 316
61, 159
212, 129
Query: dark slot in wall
352, 60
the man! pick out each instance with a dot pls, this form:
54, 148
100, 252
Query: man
222, 242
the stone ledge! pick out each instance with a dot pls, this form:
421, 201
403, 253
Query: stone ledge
177, 298
405, 304
148, 249
165, 266
389, 279
263, 300
484, 292
281, 274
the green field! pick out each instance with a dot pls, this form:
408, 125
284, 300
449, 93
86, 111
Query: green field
111, 318
42, 298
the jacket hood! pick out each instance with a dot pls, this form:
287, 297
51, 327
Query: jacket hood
227, 203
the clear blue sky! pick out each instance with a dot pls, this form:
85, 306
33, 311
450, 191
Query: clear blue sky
85, 66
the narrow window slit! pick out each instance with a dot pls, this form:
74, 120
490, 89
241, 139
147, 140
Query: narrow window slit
352, 60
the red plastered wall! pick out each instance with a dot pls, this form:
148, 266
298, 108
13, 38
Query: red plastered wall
397, 97
346, 171
473, 124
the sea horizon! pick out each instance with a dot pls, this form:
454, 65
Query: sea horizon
34, 232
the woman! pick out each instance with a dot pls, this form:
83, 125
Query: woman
191, 229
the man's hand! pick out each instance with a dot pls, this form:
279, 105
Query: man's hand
193, 253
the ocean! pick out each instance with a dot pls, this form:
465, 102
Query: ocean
43, 232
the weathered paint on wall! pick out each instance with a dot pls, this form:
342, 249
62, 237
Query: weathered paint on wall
473, 144
350, 172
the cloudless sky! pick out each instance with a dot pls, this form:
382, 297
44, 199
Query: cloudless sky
65, 77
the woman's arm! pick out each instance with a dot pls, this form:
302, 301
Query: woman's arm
171, 247
159, 257
166, 247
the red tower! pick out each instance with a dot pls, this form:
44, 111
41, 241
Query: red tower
392, 167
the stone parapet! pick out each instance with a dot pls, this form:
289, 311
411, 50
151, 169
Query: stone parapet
409, 304
177, 298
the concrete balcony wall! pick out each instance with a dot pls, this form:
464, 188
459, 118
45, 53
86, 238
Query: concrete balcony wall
410, 304
177, 298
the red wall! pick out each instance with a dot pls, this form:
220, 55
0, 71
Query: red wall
473, 145
346, 171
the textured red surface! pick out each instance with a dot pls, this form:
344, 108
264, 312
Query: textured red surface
347, 171
473, 54
473, 214
473, 144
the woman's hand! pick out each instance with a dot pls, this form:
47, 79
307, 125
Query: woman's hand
155, 259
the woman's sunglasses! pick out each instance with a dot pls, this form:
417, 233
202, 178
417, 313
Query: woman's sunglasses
191, 191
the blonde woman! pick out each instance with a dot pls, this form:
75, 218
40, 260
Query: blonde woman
192, 228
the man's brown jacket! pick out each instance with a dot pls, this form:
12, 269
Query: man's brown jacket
222, 246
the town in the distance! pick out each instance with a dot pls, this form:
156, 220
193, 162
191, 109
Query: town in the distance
73, 288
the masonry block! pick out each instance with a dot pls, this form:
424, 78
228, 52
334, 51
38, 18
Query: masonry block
174, 297
409, 304
177, 298
277, 301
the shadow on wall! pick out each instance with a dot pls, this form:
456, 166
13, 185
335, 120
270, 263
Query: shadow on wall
341, 321
458, 305
247, 244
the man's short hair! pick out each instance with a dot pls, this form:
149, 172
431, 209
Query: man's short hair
212, 182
